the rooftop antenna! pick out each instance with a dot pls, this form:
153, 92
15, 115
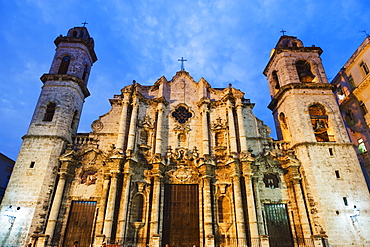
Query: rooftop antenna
367, 35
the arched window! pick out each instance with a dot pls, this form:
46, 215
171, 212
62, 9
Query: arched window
137, 208
49, 113
275, 79
304, 71
63, 68
74, 34
319, 121
224, 210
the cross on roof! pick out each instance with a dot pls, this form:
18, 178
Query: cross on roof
283, 32
84, 23
182, 60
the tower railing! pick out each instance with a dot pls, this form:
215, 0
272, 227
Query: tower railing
280, 145
83, 139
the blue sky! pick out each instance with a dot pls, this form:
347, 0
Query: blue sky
224, 41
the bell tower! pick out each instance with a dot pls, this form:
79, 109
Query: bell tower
27, 200
306, 115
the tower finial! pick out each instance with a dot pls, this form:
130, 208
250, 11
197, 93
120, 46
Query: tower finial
283, 32
182, 60
84, 23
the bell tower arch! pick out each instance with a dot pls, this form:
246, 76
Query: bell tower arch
54, 123
307, 115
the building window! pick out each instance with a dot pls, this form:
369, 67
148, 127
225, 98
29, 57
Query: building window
350, 118
361, 146
49, 113
364, 68
63, 68
337, 174
351, 82
363, 108
345, 201
340, 93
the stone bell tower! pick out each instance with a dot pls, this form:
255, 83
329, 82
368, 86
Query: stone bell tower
306, 115
27, 200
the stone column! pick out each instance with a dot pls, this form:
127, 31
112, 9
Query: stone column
103, 203
53, 217
131, 134
207, 171
122, 125
252, 216
305, 224
261, 228
239, 214
232, 133
242, 137
108, 222
154, 223
158, 136
292, 165
124, 200
205, 129
208, 219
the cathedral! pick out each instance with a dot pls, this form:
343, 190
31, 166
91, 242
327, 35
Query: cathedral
182, 164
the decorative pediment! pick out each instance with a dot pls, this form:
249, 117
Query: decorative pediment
91, 157
267, 162
183, 175
182, 73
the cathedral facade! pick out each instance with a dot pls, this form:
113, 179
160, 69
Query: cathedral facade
180, 163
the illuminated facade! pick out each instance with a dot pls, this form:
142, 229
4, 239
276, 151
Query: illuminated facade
180, 163
353, 96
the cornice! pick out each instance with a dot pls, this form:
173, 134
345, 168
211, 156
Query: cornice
85, 42
66, 77
291, 86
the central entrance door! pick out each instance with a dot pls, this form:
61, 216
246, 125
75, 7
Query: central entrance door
80, 223
181, 215
278, 226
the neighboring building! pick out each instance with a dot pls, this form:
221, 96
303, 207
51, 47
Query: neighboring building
180, 163
353, 96
6, 168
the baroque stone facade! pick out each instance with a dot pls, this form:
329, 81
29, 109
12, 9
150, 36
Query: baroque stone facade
180, 163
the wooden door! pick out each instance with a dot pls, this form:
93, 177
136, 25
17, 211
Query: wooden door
80, 223
181, 215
